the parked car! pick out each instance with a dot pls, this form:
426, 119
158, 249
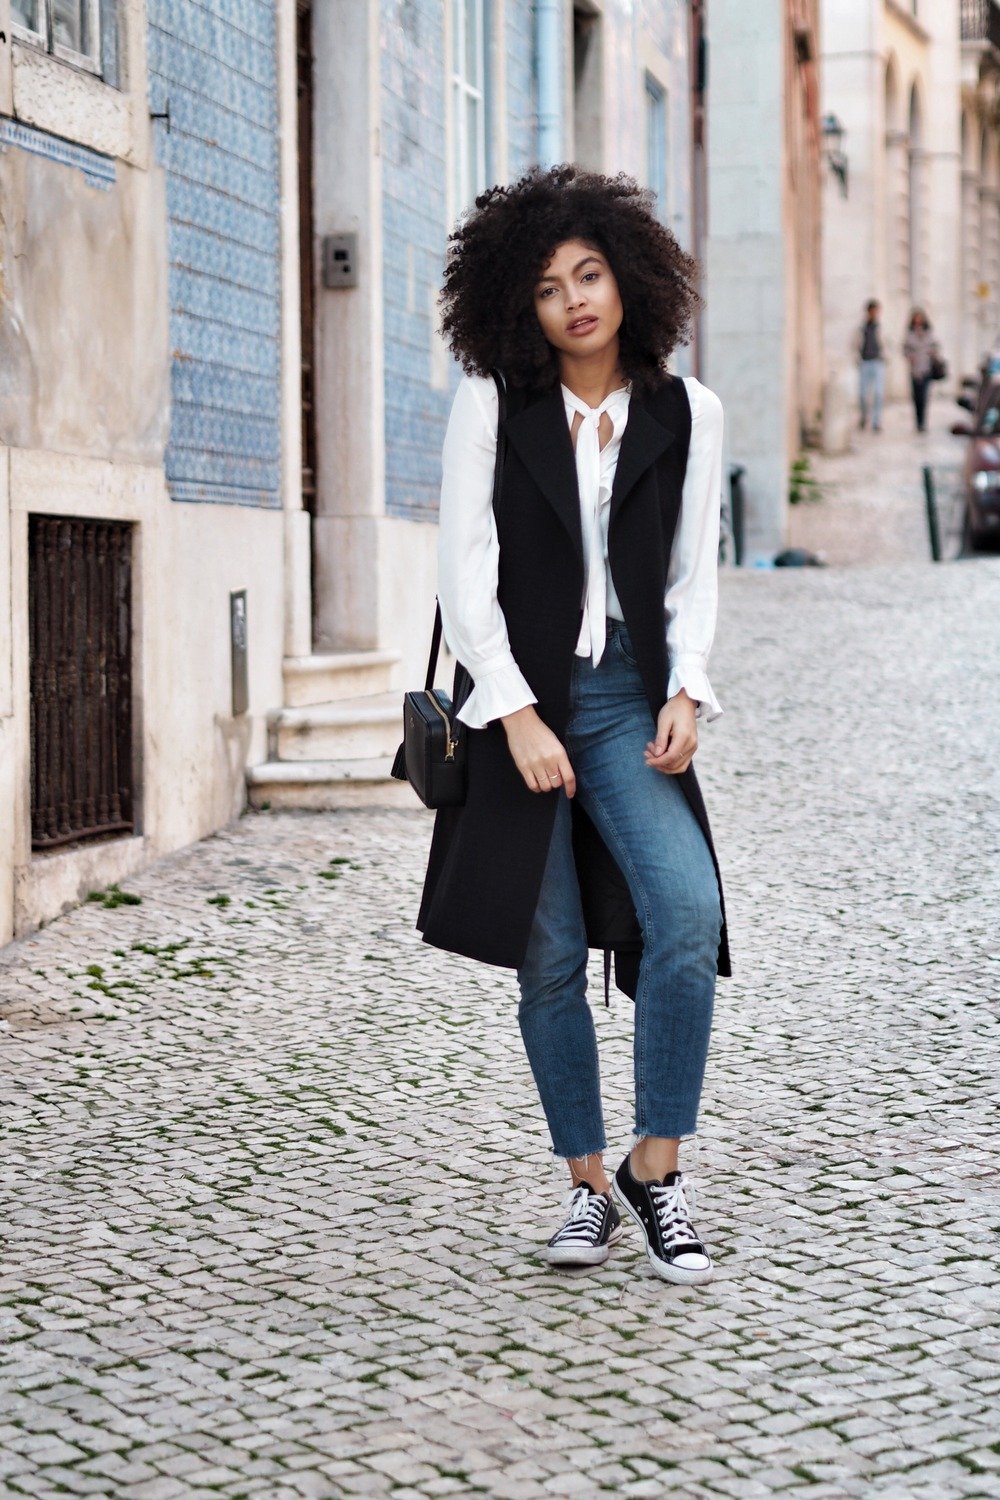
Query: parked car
981, 469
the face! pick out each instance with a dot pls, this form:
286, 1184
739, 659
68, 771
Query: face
577, 300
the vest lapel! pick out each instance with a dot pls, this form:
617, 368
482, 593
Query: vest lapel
539, 434
644, 439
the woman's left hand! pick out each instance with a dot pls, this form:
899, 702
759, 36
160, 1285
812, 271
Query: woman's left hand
676, 736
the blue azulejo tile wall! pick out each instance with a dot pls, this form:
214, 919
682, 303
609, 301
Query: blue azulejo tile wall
414, 230
214, 62
415, 224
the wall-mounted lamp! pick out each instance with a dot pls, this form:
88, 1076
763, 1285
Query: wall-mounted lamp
833, 135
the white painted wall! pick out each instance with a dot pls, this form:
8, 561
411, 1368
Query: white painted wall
854, 228
746, 320
350, 419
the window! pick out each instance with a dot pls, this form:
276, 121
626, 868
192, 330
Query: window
70, 29
468, 103
588, 88
29, 16
656, 142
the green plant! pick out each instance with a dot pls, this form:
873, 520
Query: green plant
802, 482
113, 897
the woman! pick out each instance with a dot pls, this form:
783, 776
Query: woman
583, 611
922, 352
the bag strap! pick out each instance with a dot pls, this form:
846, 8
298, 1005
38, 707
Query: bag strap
498, 379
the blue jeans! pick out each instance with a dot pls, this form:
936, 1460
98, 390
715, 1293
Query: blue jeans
871, 389
647, 823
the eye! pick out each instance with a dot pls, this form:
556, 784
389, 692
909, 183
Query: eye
545, 291
588, 274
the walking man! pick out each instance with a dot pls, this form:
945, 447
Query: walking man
872, 368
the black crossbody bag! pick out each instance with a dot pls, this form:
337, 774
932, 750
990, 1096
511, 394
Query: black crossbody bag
432, 756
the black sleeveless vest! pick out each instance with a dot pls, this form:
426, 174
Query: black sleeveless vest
488, 857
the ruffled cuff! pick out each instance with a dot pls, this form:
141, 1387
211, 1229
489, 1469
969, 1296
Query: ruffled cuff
502, 691
689, 673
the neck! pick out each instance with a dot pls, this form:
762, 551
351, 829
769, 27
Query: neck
592, 376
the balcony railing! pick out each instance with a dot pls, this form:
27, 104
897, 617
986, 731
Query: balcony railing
980, 20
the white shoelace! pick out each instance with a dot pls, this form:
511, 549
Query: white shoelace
673, 1213
585, 1212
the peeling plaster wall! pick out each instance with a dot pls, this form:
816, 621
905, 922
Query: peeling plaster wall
47, 93
83, 316
86, 355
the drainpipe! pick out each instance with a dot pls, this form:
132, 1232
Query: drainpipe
548, 66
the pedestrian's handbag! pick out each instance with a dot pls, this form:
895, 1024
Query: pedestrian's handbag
432, 755
939, 368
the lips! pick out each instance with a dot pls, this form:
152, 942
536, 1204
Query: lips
581, 325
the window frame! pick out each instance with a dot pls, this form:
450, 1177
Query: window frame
44, 40
463, 90
656, 100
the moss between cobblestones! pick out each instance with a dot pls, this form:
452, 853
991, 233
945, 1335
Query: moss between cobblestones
462, 1475
274, 1260
113, 897
968, 1462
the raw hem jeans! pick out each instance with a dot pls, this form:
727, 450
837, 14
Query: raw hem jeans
647, 823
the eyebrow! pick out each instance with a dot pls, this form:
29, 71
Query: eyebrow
576, 268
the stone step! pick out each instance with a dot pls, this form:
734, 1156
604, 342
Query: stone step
333, 676
349, 729
326, 785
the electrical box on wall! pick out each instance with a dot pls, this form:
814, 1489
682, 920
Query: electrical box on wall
238, 650
340, 260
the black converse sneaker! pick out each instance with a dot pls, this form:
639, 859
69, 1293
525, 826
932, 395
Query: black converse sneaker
592, 1226
675, 1251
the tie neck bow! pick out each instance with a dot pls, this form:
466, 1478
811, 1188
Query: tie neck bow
588, 470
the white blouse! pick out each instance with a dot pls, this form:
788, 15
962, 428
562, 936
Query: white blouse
468, 552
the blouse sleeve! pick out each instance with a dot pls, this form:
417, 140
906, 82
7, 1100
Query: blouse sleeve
468, 558
692, 581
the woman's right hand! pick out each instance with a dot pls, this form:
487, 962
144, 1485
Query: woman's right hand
538, 753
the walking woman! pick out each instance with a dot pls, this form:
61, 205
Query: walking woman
922, 355
583, 609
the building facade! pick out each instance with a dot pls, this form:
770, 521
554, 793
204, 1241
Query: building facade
223, 390
416, 105
763, 322
979, 144
144, 509
910, 87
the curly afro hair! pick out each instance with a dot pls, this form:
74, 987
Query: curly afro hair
497, 253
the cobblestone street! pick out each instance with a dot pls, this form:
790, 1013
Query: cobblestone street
873, 510
276, 1180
